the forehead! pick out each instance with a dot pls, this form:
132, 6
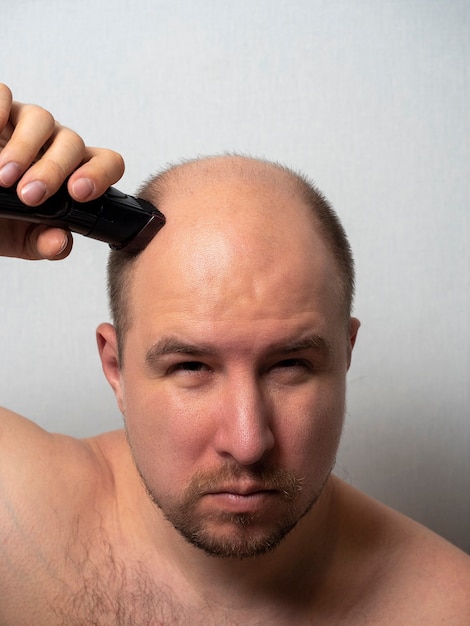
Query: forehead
233, 248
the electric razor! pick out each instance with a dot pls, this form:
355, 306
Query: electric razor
122, 221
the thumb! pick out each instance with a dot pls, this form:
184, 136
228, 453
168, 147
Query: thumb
42, 242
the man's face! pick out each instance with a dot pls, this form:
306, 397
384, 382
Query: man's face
233, 376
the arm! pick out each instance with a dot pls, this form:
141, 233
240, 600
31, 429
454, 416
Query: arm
38, 154
43, 478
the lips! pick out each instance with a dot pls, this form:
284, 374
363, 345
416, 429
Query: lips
238, 501
239, 490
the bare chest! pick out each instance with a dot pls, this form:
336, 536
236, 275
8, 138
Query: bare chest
112, 589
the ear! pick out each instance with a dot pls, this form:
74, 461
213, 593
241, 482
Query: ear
108, 349
354, 325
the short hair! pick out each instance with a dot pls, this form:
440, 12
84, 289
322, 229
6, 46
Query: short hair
121, 262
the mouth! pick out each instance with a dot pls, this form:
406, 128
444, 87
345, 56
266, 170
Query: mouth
237, 499
236, 491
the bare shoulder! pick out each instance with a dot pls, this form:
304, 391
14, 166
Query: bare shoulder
419, 577
433, 575
55, 492
37, 461
45, 480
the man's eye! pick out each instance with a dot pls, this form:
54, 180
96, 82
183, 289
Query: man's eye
293, 363
189, 366
291, 371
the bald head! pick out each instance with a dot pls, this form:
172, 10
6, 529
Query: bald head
236, 224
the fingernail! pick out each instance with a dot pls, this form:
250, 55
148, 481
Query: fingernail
9, 174
83, 188
34, 192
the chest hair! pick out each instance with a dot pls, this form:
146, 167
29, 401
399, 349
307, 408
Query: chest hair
102, 588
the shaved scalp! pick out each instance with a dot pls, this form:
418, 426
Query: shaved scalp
173, 180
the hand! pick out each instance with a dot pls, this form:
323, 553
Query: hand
39, 154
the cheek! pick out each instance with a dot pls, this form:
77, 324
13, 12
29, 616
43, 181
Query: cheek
165, 432
310, 431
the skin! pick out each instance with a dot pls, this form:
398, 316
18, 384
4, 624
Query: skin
256, 403
83, 543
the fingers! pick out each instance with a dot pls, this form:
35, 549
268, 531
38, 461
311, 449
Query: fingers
40, 154
101, 169
43, 178
26, 131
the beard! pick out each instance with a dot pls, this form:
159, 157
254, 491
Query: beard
239, 535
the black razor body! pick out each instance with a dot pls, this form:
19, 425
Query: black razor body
122, 221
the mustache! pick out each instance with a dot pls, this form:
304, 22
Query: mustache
280, 479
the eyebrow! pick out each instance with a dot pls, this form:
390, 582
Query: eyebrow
174, 345
312, 341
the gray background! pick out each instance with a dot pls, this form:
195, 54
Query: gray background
371, 99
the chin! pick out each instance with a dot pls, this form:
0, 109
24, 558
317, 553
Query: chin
243, 541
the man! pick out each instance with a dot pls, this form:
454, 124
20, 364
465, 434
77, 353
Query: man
228, 357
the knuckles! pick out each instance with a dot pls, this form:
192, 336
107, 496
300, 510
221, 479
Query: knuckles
118, 163
6, 98
37, 115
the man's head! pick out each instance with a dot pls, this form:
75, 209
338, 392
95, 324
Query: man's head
157, 188
235, 342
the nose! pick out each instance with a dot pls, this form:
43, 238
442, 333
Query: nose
244, 430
